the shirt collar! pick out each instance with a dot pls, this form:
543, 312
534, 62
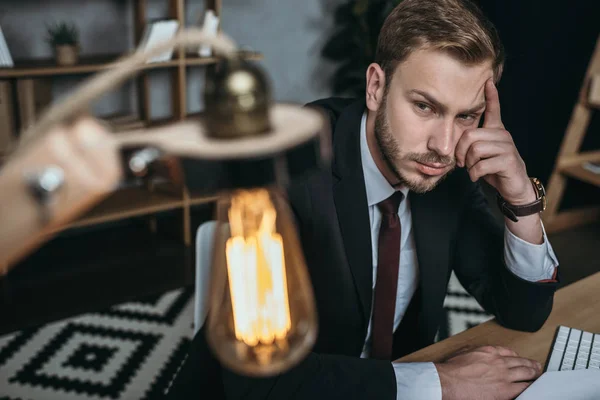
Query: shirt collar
377, 187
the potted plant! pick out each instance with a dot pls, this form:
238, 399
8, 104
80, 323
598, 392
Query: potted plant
64, 38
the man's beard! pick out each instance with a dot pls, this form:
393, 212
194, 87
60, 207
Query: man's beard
392, 157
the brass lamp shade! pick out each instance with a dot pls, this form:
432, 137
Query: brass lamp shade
237, 100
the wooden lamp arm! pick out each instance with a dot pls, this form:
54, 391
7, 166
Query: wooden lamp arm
85, 155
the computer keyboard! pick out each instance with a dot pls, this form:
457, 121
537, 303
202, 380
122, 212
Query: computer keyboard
574, 349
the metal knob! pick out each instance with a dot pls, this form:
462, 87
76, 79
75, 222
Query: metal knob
141, 161
42, 185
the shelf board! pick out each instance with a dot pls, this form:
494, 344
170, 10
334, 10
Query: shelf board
126, 203
89, 64
86, 64
578, 172
193, 59
202, 199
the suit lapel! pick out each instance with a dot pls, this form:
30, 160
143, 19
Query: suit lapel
350, 199
432, 232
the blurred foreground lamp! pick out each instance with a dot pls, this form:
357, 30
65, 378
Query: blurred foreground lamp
261, 312
262, 317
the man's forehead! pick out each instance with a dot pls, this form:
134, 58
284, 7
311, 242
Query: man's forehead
443, 77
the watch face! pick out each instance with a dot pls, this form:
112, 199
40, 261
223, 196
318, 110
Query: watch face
541, 191
540, 187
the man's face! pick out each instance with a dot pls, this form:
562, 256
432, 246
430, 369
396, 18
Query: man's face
431, 100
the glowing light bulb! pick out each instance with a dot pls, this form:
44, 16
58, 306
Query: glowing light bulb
263, 319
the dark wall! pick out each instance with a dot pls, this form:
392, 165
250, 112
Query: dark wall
549, 45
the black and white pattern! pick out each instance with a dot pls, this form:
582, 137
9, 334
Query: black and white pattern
130, 351
461, 310
133, 350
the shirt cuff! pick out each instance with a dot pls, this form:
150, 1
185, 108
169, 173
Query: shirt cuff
417, 381
531, 262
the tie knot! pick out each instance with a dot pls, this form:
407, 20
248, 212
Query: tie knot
391, 204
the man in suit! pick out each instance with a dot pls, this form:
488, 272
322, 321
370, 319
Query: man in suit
400, 209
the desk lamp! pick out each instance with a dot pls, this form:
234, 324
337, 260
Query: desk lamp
262, 317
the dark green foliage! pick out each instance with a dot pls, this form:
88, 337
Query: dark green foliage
62, 33
353, 42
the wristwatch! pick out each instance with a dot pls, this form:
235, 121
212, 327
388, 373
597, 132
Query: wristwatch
512, 212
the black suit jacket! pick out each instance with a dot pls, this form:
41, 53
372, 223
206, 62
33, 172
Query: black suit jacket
454, 230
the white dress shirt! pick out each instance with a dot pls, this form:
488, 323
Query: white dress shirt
420, 381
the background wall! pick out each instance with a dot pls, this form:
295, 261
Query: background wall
548, 43
288, 32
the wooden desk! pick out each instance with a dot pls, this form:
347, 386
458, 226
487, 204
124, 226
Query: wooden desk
576, 306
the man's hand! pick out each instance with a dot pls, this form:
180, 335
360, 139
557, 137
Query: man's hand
490, 153
488, 372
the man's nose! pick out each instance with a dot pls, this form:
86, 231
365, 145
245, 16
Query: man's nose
443, 139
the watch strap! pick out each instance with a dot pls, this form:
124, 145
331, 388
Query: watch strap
513, 211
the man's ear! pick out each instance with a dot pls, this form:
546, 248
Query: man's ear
375, 86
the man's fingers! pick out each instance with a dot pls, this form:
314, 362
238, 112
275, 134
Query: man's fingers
506, 352
502, 351
489, 166
492, 117
478, 135
490, 349
481, 150
521, 374
513, 362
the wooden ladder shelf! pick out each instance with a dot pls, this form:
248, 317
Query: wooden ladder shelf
570, 161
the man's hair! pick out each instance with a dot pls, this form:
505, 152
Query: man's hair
456, 27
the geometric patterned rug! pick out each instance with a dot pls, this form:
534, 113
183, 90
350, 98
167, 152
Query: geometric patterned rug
132, 351
462, 311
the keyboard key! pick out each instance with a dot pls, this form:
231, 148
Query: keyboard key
563, 330
567, 364
554, 363
574, 349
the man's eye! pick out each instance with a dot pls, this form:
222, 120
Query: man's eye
422, 106
466, 117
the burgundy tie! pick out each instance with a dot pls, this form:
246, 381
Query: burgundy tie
388, 263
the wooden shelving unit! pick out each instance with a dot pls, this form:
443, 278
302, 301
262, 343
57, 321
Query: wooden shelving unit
126, 203
145, 200
139, 240
570, 160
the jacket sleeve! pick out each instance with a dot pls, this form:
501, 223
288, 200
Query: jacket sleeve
479, 265
318, 376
